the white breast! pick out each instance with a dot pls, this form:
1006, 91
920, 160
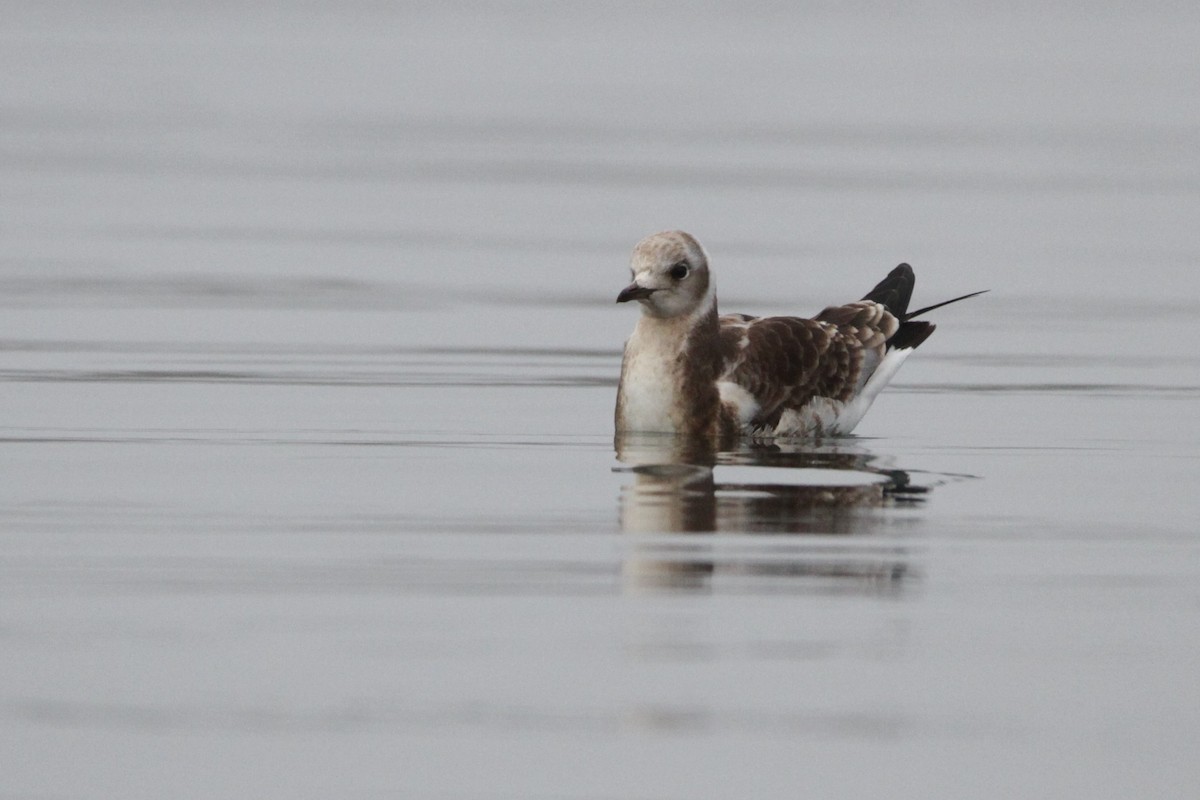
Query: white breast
648, 381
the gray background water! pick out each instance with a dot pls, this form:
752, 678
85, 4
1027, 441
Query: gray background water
308, 355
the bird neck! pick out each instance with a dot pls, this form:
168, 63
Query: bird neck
668, 380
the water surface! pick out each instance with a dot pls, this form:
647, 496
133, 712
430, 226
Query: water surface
308, 355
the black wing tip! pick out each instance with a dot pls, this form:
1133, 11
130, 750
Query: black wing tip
895, 291
920, 311
911, 335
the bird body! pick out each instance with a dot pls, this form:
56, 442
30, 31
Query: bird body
688, 370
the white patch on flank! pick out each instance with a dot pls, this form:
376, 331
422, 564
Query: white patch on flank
861, 403
742, 401
820, 416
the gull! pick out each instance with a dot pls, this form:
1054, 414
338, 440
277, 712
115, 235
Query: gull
691, 371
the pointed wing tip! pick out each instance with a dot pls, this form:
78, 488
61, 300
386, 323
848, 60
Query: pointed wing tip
920, 311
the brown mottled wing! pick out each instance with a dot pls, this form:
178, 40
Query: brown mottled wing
867, 321
785, 362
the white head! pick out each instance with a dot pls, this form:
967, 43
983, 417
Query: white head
670, 276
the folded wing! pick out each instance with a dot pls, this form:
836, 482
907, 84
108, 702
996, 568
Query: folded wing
786, 363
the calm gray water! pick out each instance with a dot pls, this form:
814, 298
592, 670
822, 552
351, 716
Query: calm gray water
308, 354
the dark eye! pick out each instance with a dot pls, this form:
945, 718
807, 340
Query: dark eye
679, 271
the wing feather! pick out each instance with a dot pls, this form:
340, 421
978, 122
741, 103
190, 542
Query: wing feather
785, 363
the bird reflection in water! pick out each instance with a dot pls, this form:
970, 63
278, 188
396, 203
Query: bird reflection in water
809, 490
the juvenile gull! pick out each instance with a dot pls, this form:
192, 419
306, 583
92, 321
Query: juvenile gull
689, 370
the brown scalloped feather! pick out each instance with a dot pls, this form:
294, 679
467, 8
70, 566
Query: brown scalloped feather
785, 362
